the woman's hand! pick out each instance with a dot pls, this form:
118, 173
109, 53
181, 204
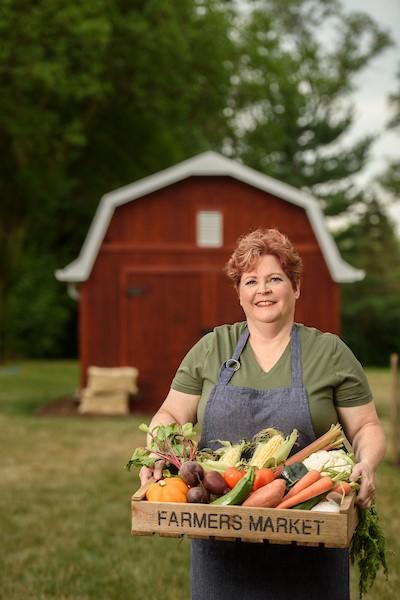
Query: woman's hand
364, 432
176, 408
147, 473
365, 476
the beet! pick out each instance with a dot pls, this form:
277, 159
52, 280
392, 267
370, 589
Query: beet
215, 483
198, 494
191, 472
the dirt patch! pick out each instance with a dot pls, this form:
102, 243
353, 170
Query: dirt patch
67, 406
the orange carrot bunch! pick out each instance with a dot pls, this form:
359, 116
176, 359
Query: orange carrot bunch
320, 486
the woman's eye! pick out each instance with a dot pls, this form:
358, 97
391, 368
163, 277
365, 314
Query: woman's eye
275, 279
250, 282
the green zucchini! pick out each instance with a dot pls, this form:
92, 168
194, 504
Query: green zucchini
239, 493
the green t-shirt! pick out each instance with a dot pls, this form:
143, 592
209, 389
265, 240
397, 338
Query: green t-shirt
332, 375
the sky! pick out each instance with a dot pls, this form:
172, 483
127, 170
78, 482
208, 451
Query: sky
374, 85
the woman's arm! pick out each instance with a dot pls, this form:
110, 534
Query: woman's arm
364, 431
177, 408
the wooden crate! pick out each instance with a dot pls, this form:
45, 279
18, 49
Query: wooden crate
269, 525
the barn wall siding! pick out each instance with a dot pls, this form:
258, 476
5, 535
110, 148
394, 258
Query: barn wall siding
168, 215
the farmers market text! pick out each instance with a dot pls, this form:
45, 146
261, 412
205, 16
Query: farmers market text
236, 522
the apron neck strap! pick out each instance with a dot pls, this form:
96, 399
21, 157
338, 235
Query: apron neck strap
297, 371
230, 367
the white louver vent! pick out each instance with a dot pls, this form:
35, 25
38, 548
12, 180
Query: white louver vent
209, 229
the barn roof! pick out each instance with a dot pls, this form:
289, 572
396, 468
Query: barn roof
207, 163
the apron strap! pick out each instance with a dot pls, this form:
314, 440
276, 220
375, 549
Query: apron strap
230, 367
297, 371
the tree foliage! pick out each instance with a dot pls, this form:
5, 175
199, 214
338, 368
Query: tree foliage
370, 308
94, 95
298, 62
390, 179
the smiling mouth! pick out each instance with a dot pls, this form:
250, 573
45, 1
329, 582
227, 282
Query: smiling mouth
262, 303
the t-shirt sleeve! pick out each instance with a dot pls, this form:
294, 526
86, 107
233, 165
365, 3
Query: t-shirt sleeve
352, 387
189, 376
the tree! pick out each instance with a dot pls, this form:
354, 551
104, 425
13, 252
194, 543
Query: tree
291, 100
50, 71
94, 95
371, 311
168, 67
390, 179
370, 308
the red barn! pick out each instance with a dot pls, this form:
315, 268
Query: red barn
150, 277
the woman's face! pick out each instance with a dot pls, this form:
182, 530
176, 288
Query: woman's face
266, 293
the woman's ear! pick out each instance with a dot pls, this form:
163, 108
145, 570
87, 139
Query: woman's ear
297, 291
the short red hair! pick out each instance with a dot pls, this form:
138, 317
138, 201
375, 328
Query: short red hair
251, 246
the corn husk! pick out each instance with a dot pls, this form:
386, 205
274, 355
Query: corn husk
274, 451
229, 455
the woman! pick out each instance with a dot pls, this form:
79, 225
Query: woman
270, 371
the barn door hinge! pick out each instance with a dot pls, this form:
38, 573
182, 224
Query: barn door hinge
134, 291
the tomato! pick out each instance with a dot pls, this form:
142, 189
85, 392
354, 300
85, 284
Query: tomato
232, 475
262, 477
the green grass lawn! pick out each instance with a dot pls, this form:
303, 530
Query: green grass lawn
65, 501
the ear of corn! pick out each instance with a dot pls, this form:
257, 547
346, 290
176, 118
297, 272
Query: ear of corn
214, 465
265, 451
284, 450
230, 456
274, 451
233, 454
265, 434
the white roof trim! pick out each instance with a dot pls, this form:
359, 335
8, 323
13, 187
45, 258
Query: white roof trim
208, 163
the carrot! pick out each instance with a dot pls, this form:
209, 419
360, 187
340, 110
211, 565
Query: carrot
333, 436
344, 488
324, 484
268, 495
307, 479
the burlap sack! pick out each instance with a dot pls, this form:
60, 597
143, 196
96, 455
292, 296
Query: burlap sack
104, 403
114, 379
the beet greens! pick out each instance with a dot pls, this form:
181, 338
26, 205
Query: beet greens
368, 548
173, 443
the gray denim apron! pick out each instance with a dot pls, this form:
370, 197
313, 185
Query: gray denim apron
223, 570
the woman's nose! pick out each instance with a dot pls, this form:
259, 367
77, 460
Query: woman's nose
264, 288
